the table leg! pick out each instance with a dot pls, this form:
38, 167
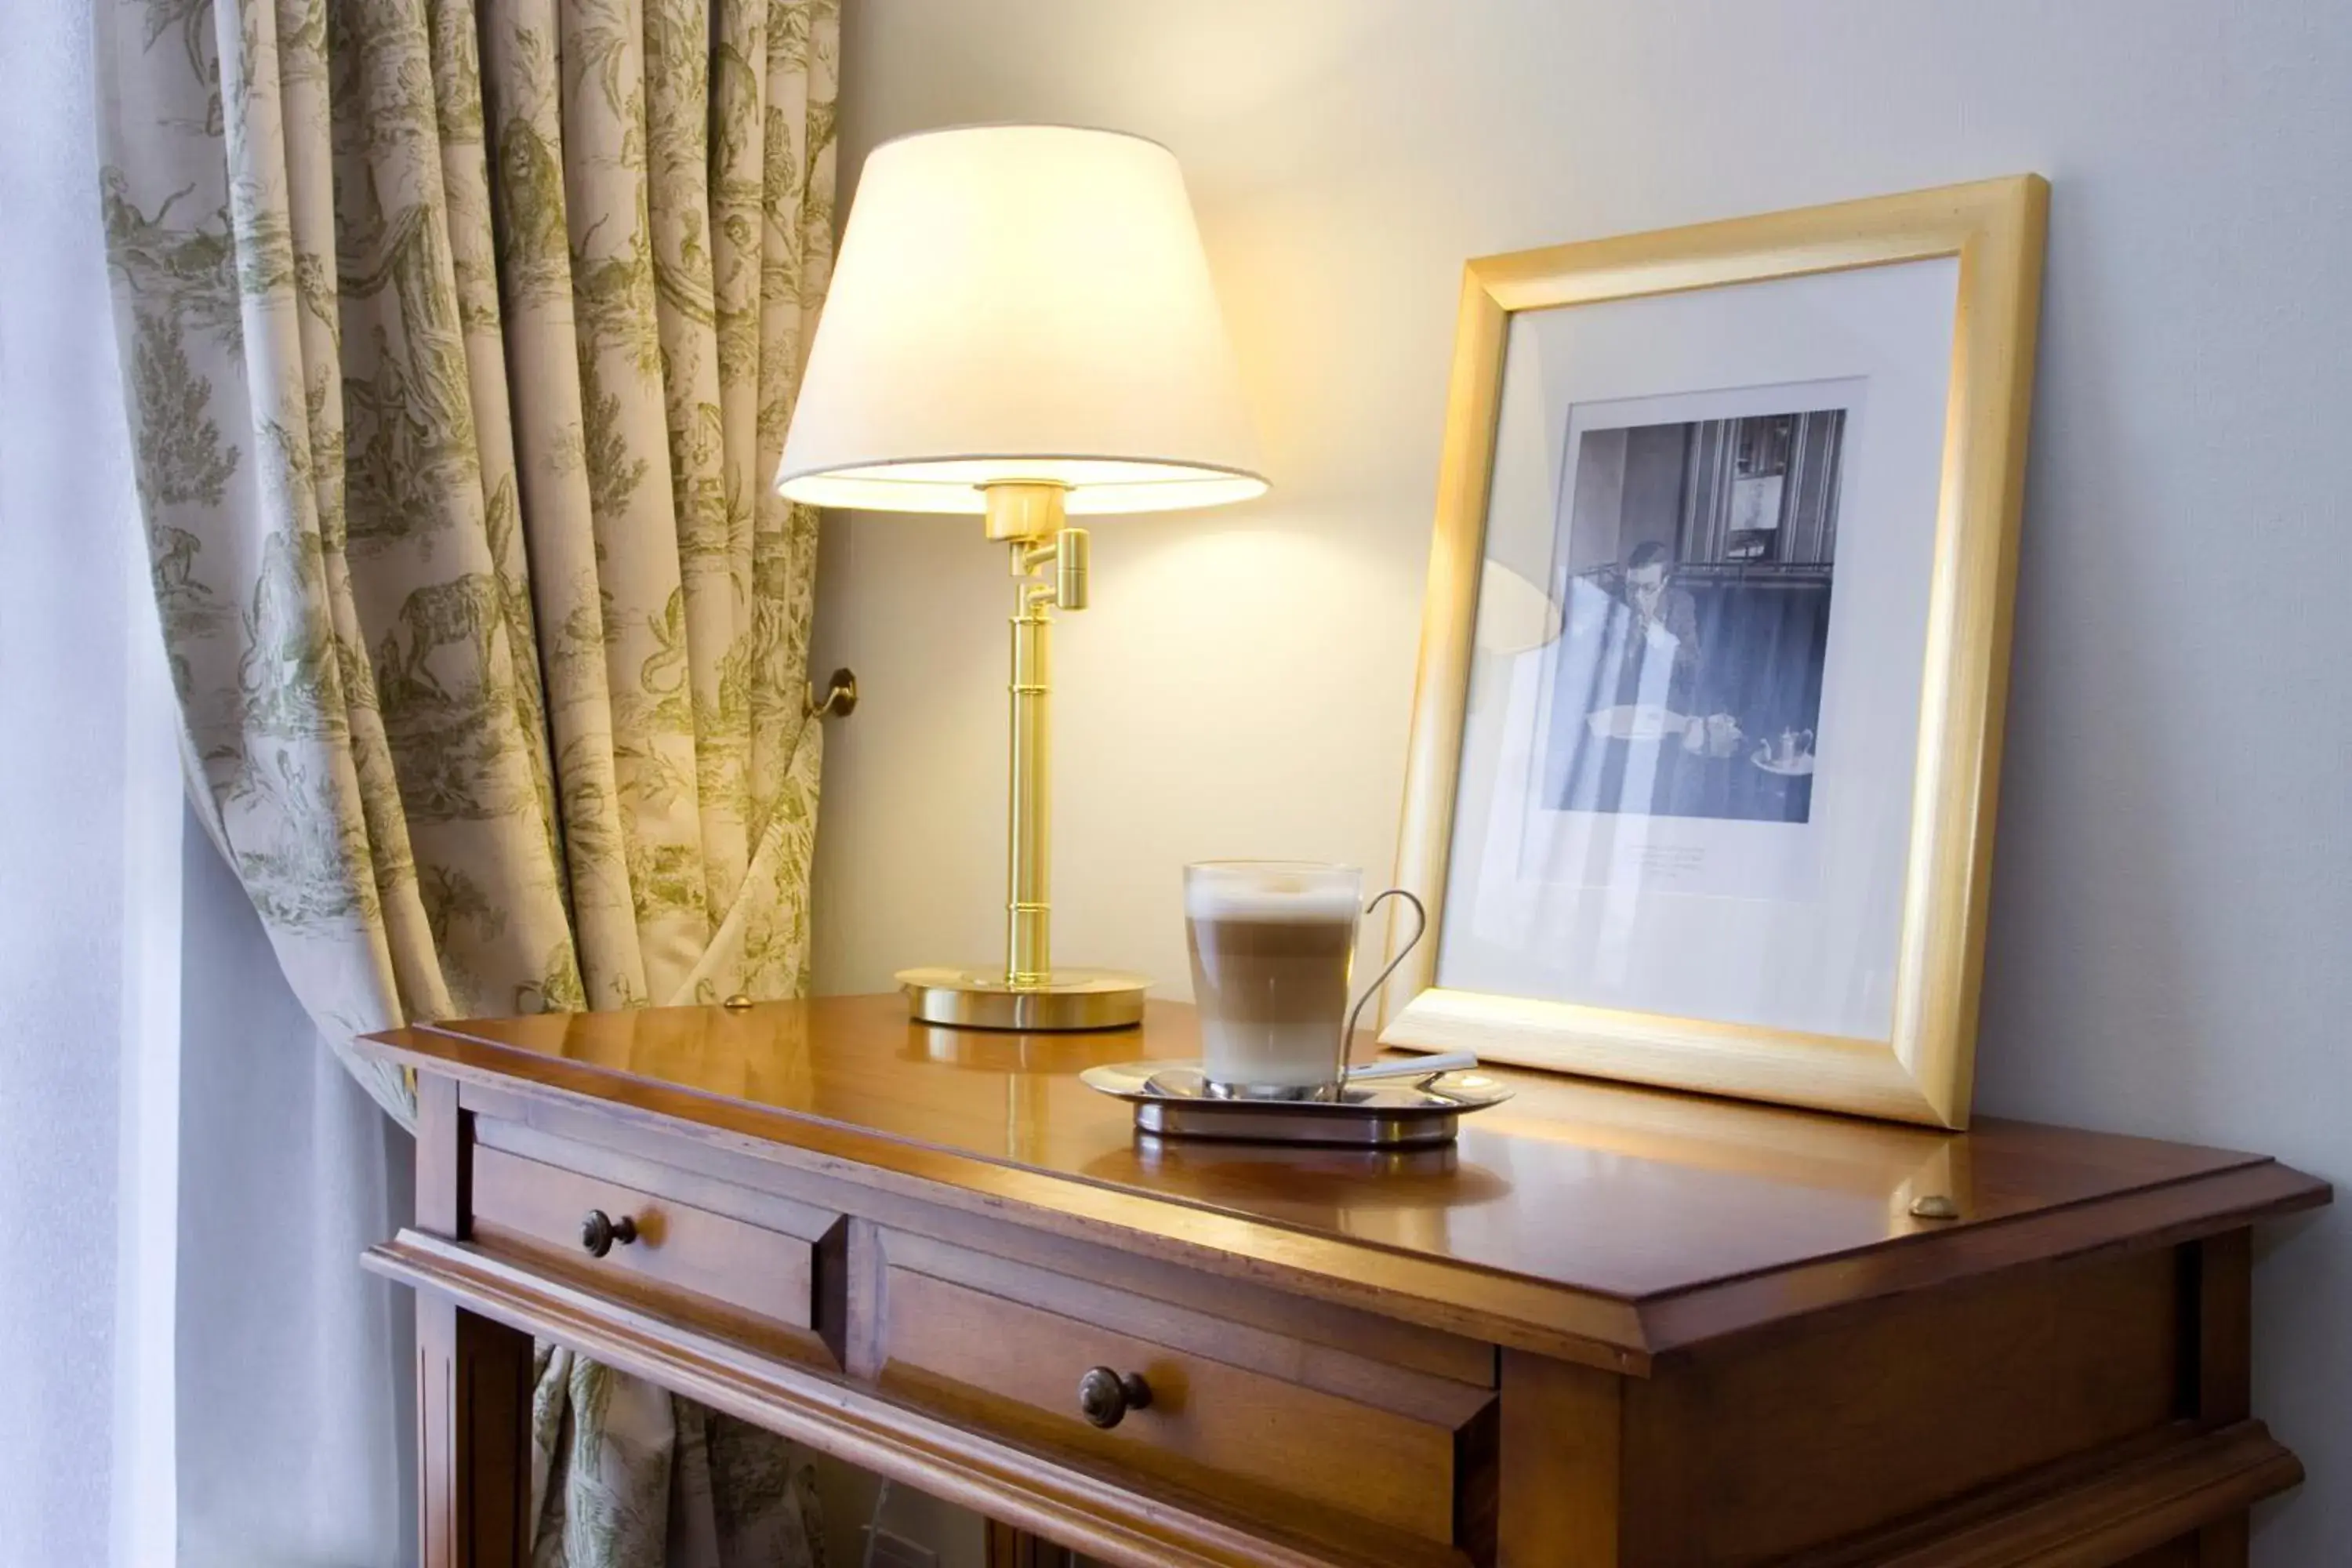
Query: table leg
473, 1424
1013, 1548
2222, 1268
2223, 1545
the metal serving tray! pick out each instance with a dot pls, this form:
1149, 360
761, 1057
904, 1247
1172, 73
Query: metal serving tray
1171, 1099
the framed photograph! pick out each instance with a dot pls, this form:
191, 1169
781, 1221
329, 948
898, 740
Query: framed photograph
1707, 729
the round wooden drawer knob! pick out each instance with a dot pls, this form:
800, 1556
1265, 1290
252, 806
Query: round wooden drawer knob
600, 1230
1105, 1396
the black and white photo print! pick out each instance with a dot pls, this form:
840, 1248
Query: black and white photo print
1692, 566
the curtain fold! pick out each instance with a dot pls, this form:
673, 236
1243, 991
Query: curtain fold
458, 339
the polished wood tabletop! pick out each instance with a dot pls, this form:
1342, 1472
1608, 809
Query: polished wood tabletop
1607, 1190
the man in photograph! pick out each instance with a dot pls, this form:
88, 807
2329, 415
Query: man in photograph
1627, 678
1660, 624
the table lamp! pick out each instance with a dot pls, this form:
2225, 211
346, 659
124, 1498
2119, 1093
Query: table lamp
1021, 326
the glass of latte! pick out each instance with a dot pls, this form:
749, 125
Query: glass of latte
1272, 943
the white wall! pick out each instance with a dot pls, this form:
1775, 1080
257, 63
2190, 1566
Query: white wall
2174, 884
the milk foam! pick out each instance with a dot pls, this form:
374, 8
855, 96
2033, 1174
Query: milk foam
1231, 899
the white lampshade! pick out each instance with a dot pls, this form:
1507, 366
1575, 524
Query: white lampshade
1020, 302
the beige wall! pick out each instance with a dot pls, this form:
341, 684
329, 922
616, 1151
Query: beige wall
2174, 886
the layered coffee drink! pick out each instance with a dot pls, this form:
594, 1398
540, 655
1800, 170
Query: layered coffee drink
1272, 942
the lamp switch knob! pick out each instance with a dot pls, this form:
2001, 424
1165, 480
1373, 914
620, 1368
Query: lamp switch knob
1071, 568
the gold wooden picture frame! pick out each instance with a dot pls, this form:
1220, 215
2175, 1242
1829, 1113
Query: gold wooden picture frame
1920, 1069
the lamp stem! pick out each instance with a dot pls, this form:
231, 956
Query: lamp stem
1029, 993
1029, 839
1030, 517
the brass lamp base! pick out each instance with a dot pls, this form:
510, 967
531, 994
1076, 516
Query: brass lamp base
983, 999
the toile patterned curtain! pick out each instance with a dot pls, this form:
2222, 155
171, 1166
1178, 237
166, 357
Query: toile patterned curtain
459, 337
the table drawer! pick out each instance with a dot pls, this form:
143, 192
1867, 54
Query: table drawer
742, 1262
1236, 1412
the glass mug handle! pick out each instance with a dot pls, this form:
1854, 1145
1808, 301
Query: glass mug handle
1419, 930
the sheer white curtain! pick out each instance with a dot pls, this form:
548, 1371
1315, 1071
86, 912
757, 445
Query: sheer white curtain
89, 812
295, 1366
197, 1371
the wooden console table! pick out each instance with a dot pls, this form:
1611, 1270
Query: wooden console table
1612, 1326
